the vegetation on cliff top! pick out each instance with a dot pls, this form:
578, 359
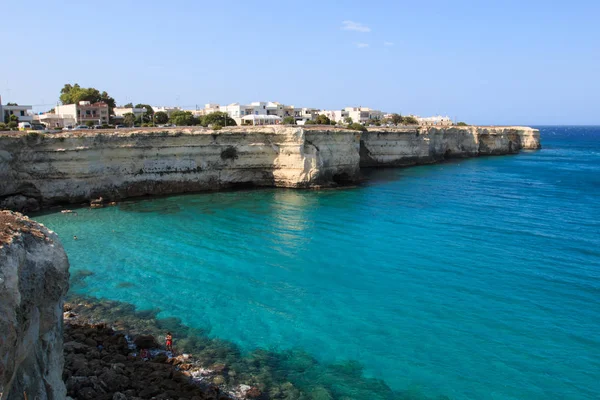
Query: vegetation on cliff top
73, 94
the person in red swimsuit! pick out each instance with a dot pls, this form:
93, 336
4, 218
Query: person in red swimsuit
169, 341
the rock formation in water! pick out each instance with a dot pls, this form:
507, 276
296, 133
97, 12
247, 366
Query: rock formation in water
37, 171
34, 277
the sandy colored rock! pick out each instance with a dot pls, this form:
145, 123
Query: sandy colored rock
34, 277
79, 167
425, 145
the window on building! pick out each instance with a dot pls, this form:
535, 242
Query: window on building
22, 113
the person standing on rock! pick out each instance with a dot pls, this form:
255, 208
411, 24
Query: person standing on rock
169, 341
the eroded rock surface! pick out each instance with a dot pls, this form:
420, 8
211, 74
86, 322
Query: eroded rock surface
34, 277
38, 171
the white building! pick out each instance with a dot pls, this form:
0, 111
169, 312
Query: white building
54, 121
336, 115
121, 111
83, 112
363, 114
238, 111
358, 114
23, 113
435, 120
166, 110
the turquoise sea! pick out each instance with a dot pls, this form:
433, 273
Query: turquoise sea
472, 279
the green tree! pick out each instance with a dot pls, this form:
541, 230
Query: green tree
289, 121
161, 117
73, 94
182, 118
397, 119
322, 119
410, 121
129, 119
218, 118
310, 122
357, 127
89, 123
13, 125
462, 124
3, 126
348, 120
148, 113
11, 104
128, 105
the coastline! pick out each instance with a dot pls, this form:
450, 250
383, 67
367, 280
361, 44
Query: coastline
41, 171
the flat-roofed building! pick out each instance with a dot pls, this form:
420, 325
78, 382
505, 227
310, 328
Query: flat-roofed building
84, 112
23, 113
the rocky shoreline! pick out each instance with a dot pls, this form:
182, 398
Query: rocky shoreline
203, 367
104, 363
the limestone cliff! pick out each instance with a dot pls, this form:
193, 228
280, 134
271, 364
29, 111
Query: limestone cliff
34, 276
38, 171
425, 145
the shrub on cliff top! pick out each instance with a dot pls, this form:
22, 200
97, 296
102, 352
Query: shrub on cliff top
462, 124
322, 119
289, 121
218, 117
357, 127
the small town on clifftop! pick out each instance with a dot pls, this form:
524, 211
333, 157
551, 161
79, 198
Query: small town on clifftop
88, 108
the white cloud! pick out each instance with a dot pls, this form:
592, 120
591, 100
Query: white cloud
362, 45
355, 26
388, 44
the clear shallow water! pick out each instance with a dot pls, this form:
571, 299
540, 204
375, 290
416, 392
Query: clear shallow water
475, 279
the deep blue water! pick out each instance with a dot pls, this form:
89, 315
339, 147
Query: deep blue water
474, 279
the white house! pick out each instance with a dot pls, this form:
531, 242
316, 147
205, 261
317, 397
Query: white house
238, 111
121, 111
336, 115
435, 120
83, 112
21, 112
166, 110
363, 114
358, 114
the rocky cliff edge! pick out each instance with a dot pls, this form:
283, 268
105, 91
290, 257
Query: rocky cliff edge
34, 278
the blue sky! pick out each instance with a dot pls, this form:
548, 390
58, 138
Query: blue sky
484, 62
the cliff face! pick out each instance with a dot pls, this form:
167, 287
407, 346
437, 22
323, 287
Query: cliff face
424, 145
38, 171
34, 276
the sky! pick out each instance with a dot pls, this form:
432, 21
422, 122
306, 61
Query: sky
483, 62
